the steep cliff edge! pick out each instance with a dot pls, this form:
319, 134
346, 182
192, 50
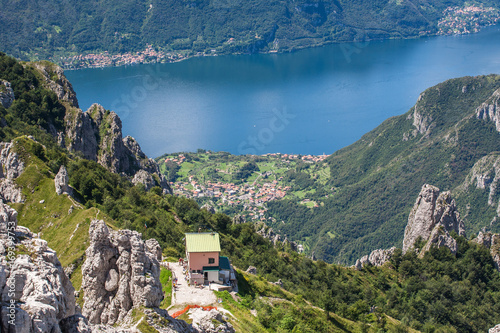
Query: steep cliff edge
96, 134
432, 218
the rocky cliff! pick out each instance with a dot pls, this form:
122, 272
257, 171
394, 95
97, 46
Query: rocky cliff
96, 134
11, 167
36, 294
55, 80
6, 94
490, 109
432, 218
492, 242
121, 272
375, 258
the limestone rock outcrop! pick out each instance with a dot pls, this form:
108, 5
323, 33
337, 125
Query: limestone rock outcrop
209, 207
268, 233
97, 135
33, 286
11, 167
490, 109
56, 81
239, 219
6, 94
144, 178
422, 121
210, 321
61, 181
495, 329
120, 272
251, 270
485, 175
492, 242
375, 258
432, 218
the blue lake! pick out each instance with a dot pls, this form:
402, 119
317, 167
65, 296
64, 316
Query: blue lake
309, 102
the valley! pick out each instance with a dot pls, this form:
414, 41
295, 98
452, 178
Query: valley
322, 166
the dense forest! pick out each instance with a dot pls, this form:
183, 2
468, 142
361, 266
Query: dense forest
49, 29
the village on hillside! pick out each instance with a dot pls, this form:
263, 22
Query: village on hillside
465, 20
215, 183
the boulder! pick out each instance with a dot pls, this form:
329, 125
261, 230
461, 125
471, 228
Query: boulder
251, 270
210, 321
61, 181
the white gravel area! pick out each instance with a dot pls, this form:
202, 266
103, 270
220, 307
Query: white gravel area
185, 294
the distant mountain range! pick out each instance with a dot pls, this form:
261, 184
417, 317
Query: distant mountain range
43, 29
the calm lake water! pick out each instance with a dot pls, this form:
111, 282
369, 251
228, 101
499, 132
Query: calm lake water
309, 102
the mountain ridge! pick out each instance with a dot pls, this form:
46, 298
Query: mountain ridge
200, 27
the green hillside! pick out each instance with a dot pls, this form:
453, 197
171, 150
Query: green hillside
45, 29
358, 199
374, 182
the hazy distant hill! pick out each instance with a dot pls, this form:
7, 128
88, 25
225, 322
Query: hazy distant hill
43, 28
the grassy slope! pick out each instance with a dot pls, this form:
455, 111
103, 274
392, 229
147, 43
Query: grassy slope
68, 235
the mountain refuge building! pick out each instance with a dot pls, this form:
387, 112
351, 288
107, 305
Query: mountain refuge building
204, 262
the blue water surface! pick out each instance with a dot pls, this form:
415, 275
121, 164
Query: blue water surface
313, 101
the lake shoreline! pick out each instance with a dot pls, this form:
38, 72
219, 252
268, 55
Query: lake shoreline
179, 57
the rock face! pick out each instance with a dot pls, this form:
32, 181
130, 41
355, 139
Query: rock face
251, 270
11, 167
6, 94
209, 207
422, 122
210, 322
375, 258
56, 81
432, 218
33, 284
492, 242
97, 135
121, 271
61, 181
268, 233
495, 329
238, 219
485, 175
490, 110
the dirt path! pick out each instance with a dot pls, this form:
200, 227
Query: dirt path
185, 294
